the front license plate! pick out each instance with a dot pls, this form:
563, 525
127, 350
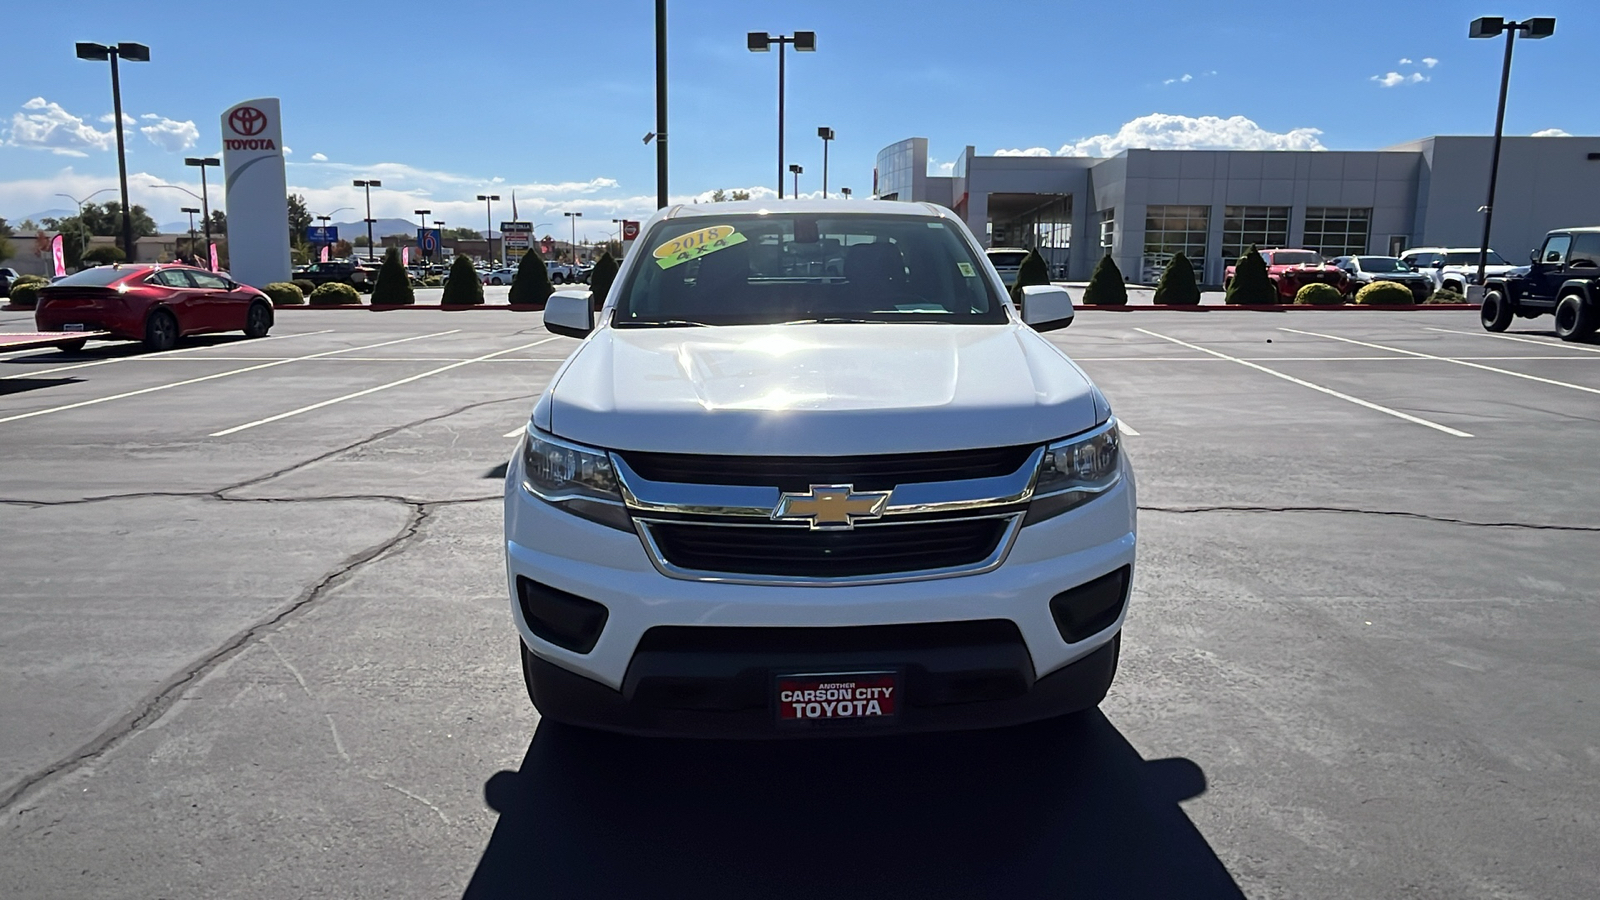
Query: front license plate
838, 696
73, 326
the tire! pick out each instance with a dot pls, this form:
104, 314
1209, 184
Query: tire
558, 278
1575, 320
258, 320
1496, 311
1456, 286
527, 670
72, 346
496, 282
160, 331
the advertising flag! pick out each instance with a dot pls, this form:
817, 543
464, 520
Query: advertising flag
214, 266
58, 253
405, 256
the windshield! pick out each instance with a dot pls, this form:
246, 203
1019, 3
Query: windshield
1294, 258
1470, 258
1382, 264
1007, 260
767, 269
100, 276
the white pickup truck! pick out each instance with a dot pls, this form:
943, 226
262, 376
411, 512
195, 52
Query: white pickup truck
763, 501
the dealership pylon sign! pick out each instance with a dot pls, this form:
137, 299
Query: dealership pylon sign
258, 190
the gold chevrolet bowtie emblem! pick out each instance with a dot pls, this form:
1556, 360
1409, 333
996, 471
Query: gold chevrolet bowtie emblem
831, 506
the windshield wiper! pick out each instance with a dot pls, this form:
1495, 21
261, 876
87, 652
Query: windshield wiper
664, 323
836, 320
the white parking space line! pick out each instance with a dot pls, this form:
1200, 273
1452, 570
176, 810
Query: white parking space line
515, 432
160, 354
1459, 362
1556, 344
373, 390
1315, 387
162, 387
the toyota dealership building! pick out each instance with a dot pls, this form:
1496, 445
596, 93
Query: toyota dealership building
1142, 206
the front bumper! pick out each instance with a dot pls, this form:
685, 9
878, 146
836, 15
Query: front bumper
609, 567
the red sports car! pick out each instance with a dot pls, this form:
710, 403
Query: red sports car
156, 304
1290, 270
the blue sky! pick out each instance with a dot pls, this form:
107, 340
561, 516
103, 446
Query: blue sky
443, 101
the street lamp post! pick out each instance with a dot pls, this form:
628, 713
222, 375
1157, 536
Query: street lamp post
796, 169
439, 224
845, 192
422, 226
826, 134
761, 42
83, 227
1488, 27
205, 195
326, 243
132, 53
574, 216
488, 231
368, 184
661, 104
191, 211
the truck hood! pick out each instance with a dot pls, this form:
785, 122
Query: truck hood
820, 389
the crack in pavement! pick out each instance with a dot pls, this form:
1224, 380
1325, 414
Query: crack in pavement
1397, 513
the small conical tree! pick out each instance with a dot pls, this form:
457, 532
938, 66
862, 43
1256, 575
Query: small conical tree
1177, 286
1250, 284
600, 279
1034, 270
531, 286
463, 288
394, 285
1105, 285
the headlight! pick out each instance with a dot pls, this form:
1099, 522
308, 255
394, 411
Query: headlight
1075, 471
576, 478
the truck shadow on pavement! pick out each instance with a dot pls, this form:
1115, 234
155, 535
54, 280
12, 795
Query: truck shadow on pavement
1054, 809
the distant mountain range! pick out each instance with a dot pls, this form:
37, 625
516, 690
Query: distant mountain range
45, 214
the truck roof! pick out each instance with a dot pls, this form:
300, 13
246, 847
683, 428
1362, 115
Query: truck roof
836, 207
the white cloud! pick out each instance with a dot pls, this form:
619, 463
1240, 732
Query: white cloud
1404, 61
945, 168
43, 125
169, 134
319, 157
1185, 78
1392, 79
1031, 151
1159, 131
1429, 61
1551, 132
287, 150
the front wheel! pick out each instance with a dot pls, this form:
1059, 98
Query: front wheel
258, 320
557, 278
1496, 312
1575, 320
161, 331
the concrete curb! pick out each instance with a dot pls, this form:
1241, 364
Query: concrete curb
1273, 307
368, 307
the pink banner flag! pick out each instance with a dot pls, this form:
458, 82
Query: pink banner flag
324, 252
213, 256
58, 252
405, 256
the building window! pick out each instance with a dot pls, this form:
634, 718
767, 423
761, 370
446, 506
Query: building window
1108, 229
1338, 231
1263, 226
1169, 230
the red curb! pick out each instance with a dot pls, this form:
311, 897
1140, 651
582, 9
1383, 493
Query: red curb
1283, 308
368, 307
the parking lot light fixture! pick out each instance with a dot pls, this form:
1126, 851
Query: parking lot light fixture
574, 217
845, 192
83, 228
191, 211
201, 162
368, 184
826, 134
488, 231
761, 42
1488, 27
112, 52
796, 168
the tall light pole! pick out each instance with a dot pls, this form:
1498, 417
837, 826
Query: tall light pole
488, 231
422, 226
205, 194
796, 168
826, 134
574, 216
618, 223
83, 227
661, 104
1488, 27
845, 192
761, 42
368, 184
439, 224
191, 211
132, 53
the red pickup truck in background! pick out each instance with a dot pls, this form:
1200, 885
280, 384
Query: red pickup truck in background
1290, 270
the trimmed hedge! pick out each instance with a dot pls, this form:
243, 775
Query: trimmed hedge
334, 294
305, 285
1251, 285
1318, 294
601, 279
1385, 293
25, 296
394, 285
1177, 286
1106, 287
284, 293
432, 281
531, 286
1445, 295
463, 288
1033, 271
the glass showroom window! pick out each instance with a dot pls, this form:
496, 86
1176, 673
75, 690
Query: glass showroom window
1108, 229
1338, 231
1169, 230
1263, 226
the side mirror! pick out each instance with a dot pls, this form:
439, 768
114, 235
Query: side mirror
1046, 307
1438, 263
567, 313
1533, 256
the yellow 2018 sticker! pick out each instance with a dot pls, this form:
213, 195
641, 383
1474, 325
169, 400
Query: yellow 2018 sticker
696, 244
966, 269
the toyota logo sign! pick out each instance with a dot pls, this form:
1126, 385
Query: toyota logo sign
247, 120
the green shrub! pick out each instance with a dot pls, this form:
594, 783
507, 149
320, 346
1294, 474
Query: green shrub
1251, 284
1105, 285
394, 285
1177, 286
333, 294
463, 288
284, 293
1034, 270
1385, 293
29, 279
25, 296
432, 281
305, 285
532, 284
601, 279
1446, 295
1318, 294
105, 255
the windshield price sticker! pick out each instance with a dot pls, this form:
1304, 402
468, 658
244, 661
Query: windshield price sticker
966, 269
696, 244
873, 695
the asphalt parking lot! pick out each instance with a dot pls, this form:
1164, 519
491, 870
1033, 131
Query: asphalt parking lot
254, 640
